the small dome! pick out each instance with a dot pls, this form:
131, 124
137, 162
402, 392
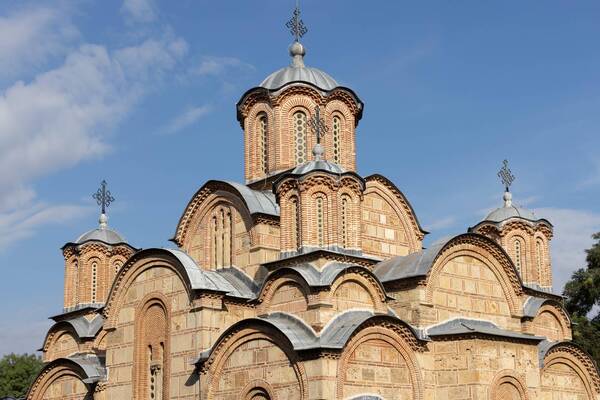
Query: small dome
318, 165
105, 235
102, 234
504, 213
298, 72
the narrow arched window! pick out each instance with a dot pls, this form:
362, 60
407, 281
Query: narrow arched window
214, 240
518, 260
94, 281
295, 222
539, 253
344, 221
299, 124
117, 266
263, 152
76, 281
227, 237
337, 128
320, 222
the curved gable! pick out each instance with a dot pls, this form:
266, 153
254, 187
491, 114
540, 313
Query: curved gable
566, 360
389, 224
190, 276
472, 274
252, 201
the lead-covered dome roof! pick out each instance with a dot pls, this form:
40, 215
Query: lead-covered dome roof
298, 72
101, 234
510, 211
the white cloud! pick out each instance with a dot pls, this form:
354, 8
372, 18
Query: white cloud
140, 10
31, 36
441, 223
218, 65
572, 236
185, 119
64, 116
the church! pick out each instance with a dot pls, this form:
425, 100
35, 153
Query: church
310, 281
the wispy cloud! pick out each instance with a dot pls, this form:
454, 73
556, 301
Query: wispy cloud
54, 122
441, 223
219, 65
30, 36
186, 119
572, 235
140, 10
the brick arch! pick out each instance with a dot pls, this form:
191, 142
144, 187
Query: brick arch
338, 108
391, 339
506, 383
52, 372
366, 280
250, 139
238, 337
152, 327
256, 388
135, 266
489, 253
57, 331
572, 356
382, 187
216, 199
555, 309
275, 282
197, 204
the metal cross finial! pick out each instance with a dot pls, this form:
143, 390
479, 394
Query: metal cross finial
506, 175
103, 197
296, 25
318, 125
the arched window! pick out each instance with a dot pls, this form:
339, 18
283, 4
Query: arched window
94, 281
337, 128
214, 240
344, 221
320, 222
222, 237
295, 221
518, 256
263, 152
539, 255
151, 351
76, 281
299, 123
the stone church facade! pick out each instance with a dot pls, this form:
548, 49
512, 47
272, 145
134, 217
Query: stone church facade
310, 281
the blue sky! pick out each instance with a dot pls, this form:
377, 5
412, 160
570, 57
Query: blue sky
142, 93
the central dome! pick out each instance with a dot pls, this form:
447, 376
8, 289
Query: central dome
298, 72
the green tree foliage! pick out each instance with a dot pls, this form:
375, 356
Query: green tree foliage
17, 373
582, 294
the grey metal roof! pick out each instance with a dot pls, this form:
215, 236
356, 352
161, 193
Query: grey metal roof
318, 165
257, 201
414, 264
334, 336
105, 235
461, 326
503, 213
244, 285
202, 279
366, 397
315, 277
92, 366
86, 328
297, 331
300, 73
532, 305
